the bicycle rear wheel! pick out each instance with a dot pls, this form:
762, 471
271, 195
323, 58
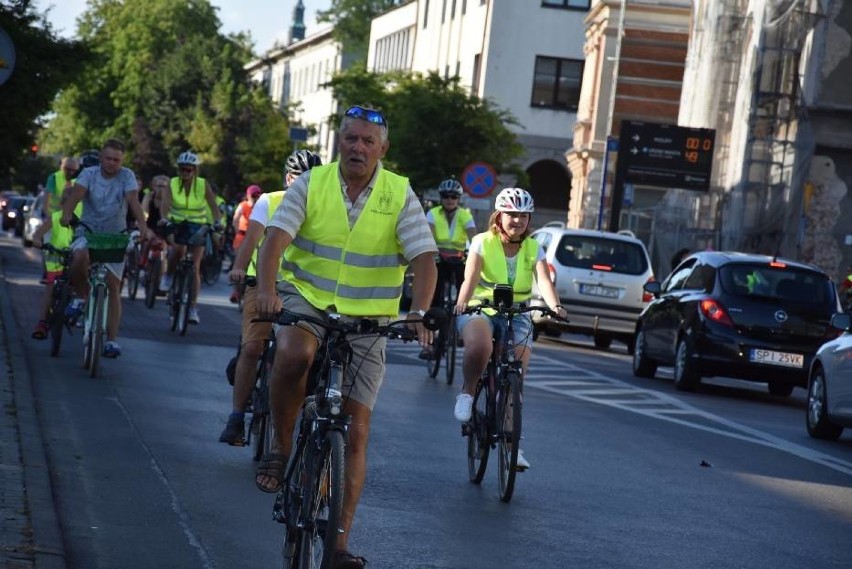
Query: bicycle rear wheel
131, 271
261, 421
509, 429
61, 296
478, 443
152, 282
98, 329
319, 537
450, 349
185, 300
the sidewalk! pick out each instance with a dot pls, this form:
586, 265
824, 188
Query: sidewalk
29, 527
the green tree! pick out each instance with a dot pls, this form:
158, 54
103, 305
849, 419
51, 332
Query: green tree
436, 128
166, 80
44, 64
351, 19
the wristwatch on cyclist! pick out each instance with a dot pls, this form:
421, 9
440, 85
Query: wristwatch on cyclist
421, 312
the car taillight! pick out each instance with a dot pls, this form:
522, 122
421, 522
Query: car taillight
714, 311
647, 296
552, 270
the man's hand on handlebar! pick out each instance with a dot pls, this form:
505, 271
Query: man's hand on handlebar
237, 276
268, 303
424, 336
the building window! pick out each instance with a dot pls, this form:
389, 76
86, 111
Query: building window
556, 83
444, 11
576, 4
474, 82
464, 7
425, 13
453, 10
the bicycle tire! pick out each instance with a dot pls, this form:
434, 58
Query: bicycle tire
132, 272
61, 295
508, 402
152, 282
450, 350
96, 337
478, 439
433, 364
87, 335
174, 297
185, 302
319, 536
261, 420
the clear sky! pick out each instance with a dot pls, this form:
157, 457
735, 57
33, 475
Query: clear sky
266, 20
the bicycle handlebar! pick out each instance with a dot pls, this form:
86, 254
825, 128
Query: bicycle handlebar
511, 311
434, 319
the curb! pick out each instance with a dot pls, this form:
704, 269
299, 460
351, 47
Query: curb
48, 547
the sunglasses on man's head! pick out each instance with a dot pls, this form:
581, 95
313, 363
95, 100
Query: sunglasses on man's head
371, 115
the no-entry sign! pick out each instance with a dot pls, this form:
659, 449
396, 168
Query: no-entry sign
479, 179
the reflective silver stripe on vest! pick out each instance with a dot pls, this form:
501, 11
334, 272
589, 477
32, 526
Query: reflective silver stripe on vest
372, 261
324, 251
327, 285
370, 293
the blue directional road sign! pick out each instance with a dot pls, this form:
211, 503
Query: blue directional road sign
479, 179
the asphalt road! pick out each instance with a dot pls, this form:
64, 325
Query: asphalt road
626, 473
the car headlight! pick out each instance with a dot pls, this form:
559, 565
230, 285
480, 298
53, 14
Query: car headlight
13, 214
34, 222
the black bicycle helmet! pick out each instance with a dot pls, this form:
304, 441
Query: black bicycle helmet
301, 161
90, 158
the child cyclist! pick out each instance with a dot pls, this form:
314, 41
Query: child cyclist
502, 255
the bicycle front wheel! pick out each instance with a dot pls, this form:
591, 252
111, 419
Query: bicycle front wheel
509, 432
98, 329
433, 364
61, 296
132, 272
185, 301
478, 441
174, 299
450, 349
322, 526
152, 282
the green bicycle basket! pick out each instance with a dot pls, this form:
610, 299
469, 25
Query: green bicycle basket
107, 247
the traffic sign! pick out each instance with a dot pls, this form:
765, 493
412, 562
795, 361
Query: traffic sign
479, 179
298, 134
7, 56
666, 155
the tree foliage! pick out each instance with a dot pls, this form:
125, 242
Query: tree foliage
44, 64
351, 19
435, 127
165, 80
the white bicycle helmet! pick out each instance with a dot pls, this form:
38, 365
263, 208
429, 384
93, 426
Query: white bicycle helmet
514, 200
189, 158
452, 187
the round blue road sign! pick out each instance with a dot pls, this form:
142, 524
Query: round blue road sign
479, 179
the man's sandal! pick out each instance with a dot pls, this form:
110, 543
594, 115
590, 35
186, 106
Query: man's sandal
345, 560
272, 466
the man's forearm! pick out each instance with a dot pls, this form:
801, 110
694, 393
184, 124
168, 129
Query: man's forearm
247, 247
425, 279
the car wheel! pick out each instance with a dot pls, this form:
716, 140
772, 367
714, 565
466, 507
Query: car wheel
686, 376
819, 426
643, 366
781, 389
602, 342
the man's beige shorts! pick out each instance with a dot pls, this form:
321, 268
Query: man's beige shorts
367, 368
253, 331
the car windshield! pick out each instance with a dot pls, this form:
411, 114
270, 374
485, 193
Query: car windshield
601, 253
17, 203
777, 281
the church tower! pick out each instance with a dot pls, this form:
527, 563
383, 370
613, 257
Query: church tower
297, 30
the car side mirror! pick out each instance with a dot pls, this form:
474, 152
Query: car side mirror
653, 287
842, 321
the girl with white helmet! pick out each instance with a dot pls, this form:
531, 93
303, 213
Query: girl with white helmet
502, 255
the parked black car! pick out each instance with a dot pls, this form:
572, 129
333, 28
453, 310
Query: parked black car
737, 315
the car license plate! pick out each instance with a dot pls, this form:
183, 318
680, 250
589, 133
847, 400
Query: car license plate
770, 357
598, 290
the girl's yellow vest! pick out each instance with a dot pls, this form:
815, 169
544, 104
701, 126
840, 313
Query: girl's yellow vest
494, 269
357, 271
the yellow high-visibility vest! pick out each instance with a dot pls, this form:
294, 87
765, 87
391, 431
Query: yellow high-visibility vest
357, 271
451, 244
274, 201
61, 238
495, 271
190, 206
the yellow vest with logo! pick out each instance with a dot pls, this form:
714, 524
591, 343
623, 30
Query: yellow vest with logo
495, 271
358, 271
61, 238
274, 201
451, 244
190, 206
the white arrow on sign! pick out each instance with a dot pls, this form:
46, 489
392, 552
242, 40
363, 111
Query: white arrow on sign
634, 151
635, 138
